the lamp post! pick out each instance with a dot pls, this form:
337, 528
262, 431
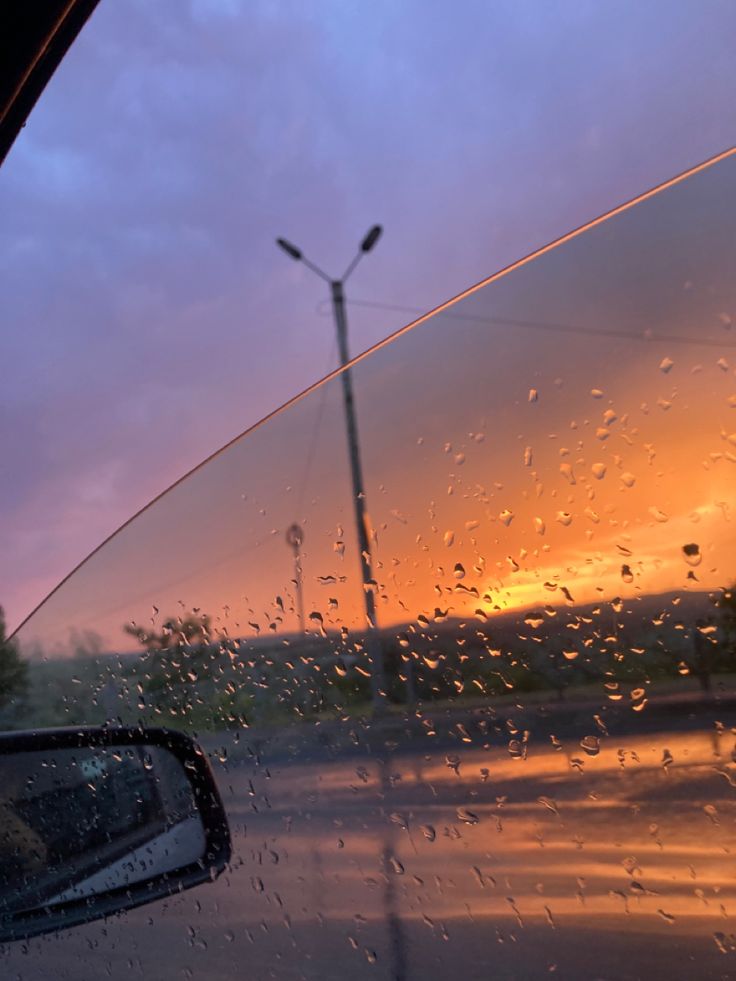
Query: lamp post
337, 294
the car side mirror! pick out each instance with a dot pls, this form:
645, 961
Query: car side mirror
95, 821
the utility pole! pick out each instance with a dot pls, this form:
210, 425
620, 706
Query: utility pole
374, 648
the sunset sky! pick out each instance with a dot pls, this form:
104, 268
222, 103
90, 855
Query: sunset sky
562, 435
149, 317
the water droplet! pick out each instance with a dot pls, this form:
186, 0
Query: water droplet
516, 749
533, 395
548, 803
566, 471
468, 817
626, 574
428, 831
478, 876
712, 812
658, 514
665, 365
506, 517
628, 479
692, 555
591, 745
396, 867
449, 538
596, 393
539, 526
564, 517
726, 943
459, 571
601, 724
534, 621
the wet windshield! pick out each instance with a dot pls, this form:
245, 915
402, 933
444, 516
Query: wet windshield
487, 729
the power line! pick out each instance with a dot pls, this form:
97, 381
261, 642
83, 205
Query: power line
645, 337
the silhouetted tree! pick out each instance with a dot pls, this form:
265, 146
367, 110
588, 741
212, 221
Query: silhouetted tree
179, 656
13, 669
726, 604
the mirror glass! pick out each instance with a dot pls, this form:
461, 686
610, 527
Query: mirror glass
77, 823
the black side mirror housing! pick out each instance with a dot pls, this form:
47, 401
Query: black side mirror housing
94, 821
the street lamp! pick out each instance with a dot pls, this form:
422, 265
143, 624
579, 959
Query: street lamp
337, 293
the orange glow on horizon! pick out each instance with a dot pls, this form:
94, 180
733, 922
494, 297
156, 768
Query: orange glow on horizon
504, 466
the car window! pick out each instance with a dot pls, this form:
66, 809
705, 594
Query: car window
517, 757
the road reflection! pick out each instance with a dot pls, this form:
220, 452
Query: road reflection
606, 856
628, 835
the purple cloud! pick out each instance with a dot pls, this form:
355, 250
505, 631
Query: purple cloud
149, 317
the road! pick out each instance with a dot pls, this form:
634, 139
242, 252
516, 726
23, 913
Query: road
591, 857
